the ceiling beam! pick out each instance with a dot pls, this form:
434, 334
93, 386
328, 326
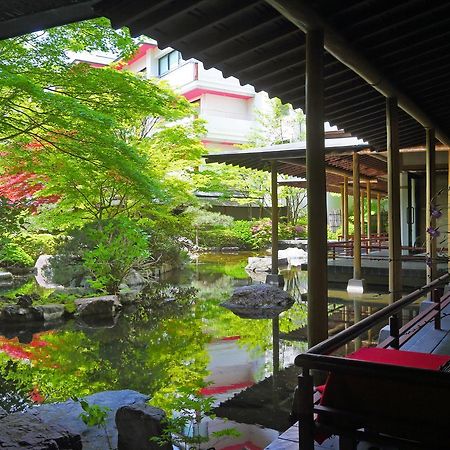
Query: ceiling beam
300, 13
47, 18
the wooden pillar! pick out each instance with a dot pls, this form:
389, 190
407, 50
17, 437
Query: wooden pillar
357, 220
342, 210
448, 206
378, 214
273, 277
276, 347
345, 223
369, 209
393, 157
316, 185
362, 213
430, 194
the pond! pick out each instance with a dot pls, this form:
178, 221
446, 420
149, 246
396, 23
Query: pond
179, 348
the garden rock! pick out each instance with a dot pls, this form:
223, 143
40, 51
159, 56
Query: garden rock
67, 416
25, 301
21, 431
134, 279
230, 249
12, 314
261, 301
104, 307
264, 264
137, 424
6, 277
294, 256
52, 312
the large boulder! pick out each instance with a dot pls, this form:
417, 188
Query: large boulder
6, 276
52, 312
104, 307
22, 431
263, 264
11, 314
258, 301
294, 256
137, 424
134, 279
67, 416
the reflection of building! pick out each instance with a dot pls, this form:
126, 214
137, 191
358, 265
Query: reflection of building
231, 367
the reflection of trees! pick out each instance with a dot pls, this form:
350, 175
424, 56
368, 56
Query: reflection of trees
295, 282
158, 349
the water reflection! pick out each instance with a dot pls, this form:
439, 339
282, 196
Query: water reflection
193, 345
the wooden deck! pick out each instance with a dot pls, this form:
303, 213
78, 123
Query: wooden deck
427, 340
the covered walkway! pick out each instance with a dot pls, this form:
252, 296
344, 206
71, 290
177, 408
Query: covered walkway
377, 69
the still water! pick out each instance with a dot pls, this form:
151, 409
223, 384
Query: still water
169, 348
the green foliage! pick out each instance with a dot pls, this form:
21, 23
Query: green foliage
261, 233
183, 428
94, 416
119, 246
277, 124
11, 217
36, 244
105, 144
11, 255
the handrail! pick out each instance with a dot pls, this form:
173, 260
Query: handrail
345, 336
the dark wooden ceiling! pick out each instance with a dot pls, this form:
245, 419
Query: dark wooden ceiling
408, 41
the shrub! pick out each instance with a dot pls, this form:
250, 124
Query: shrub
13, 255
119, 246
37, 244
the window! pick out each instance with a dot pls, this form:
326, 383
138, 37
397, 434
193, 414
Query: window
169, 62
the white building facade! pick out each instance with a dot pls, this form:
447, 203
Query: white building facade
227, 107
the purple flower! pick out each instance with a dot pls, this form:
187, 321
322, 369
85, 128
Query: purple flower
433, 232
435, 212
299, 229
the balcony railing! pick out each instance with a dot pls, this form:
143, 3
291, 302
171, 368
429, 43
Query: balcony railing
319, 358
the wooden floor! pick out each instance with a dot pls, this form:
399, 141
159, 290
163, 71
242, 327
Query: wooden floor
427, 340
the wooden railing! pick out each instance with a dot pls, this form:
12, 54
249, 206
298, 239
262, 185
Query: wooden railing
342, 249
368, 244
319, 358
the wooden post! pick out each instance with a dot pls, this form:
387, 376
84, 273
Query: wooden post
345, 223
342, 210
316, 185
430, 193
393, 157
369, 210
305, 410
273, 277
275, 354
378, 214
357, 220
362, 213
448, 206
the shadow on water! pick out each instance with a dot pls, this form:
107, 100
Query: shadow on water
182, 343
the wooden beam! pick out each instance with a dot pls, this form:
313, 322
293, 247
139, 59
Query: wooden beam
316, 182
302, 15
395, 263
328, 169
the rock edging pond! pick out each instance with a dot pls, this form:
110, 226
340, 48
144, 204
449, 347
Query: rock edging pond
56, 426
